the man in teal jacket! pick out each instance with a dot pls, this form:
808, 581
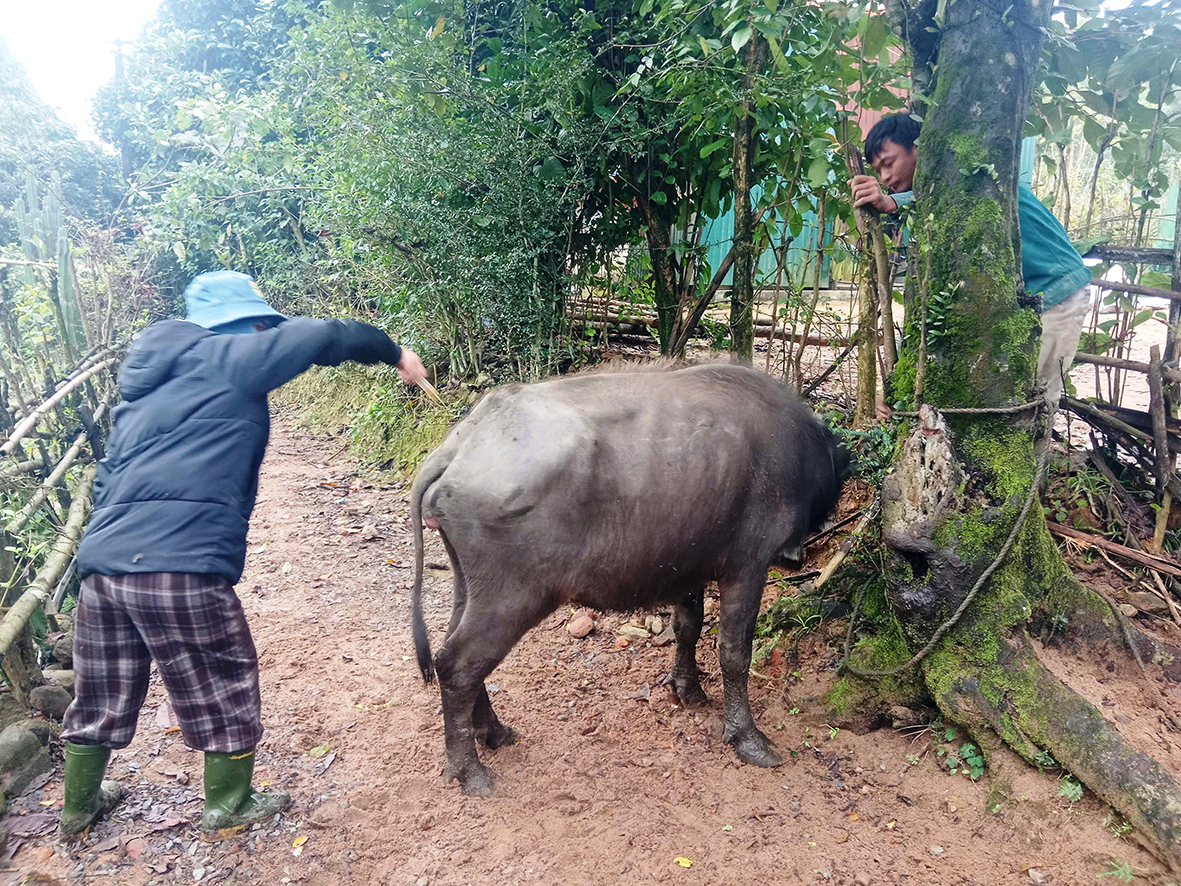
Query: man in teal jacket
1050, 264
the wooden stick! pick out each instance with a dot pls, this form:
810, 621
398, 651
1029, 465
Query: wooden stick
431, 391
17, 523
848, 542
1087, 409
55, 564
833, 528
1160, 438
865, 412
1145, 255
649, 320
27, 423
873, 245
11, 472
23, 263
631, 328
1164, 594
831, 368
1171, 375
1096, 541
1137, 289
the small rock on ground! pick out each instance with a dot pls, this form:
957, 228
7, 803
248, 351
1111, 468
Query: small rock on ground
580, 625
51, 700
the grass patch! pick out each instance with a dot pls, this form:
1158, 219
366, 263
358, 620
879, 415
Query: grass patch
388, 425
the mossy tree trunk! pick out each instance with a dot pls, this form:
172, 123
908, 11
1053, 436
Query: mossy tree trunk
960, 482
742, 327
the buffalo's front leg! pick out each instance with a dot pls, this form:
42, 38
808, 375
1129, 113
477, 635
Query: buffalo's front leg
688, 616
740, 608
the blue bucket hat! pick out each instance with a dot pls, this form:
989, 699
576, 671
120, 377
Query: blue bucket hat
221, 298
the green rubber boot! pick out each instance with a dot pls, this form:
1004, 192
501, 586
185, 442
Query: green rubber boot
88, 797
229, 800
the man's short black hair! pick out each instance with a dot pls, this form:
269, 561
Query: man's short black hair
902, 129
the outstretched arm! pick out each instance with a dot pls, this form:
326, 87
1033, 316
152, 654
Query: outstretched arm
262, 361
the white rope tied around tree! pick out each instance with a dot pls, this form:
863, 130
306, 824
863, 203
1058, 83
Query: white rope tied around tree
1039, 467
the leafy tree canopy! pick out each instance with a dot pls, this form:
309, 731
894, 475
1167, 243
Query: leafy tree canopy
32, 137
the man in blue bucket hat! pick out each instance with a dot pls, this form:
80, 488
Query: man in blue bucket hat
167, 539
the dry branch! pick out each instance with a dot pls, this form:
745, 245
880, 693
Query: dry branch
1137, 289
11, 472
1160, 439
645, 326
1160, 564
1145, 255
873, 247
59, 472
29, 421
55, 564
1170, 375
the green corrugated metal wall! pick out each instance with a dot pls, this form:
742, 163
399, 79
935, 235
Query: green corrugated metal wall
1168, 223
801, 255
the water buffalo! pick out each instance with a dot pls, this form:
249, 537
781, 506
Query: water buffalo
616, 490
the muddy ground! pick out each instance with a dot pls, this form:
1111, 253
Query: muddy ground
613, 781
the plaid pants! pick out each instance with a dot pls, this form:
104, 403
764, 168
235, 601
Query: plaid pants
194, 628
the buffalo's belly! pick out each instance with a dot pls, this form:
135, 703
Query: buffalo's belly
627, 595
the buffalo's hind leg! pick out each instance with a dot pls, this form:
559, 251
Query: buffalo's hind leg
688, 616
740, 609
490, 732
483, 637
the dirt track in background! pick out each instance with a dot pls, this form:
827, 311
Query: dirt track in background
613, 781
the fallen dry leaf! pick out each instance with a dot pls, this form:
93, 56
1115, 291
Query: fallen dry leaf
684, 862
34, 825
165, 825
299, 841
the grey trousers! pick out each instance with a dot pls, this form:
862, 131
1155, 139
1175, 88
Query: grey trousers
1061, 327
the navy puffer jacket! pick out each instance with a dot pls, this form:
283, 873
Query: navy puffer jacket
175, 492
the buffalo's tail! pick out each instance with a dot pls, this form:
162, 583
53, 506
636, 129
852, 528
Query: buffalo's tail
431, 470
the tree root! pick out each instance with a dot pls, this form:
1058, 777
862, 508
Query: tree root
1034, 710
1079, 618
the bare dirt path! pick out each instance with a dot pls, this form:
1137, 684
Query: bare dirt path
613, 782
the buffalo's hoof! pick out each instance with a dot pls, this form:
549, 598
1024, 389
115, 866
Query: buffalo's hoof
753, 747
475, 779
500, 736
689, 691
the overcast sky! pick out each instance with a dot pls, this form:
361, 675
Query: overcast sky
67, 46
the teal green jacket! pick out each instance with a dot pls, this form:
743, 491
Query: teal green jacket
1049, 262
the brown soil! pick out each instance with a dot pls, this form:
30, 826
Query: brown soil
613, 782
